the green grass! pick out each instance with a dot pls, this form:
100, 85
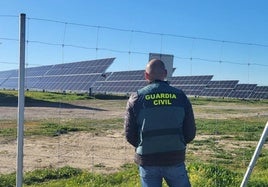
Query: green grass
205, 101
36, 96
55, 128
200, 174
40, 176
30, 96
11, 95
247, 129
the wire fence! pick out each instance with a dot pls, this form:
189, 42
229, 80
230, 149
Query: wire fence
53, 42
69, 42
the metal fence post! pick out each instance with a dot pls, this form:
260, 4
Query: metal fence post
255, 155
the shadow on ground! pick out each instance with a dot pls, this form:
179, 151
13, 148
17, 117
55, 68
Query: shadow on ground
8, 100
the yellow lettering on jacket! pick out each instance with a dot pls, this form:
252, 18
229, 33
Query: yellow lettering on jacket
162, 102
161, 98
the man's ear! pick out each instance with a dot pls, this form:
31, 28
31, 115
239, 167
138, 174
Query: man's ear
165, 73
147, 76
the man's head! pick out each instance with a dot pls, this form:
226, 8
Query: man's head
155, 70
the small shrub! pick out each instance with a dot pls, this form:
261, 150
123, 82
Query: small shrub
8, 180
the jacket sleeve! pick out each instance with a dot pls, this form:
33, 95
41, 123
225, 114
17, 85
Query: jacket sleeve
189, 127
130, 124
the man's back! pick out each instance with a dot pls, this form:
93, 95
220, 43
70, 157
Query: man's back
160, 111
159, 123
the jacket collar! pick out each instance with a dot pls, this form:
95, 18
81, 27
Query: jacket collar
158, 81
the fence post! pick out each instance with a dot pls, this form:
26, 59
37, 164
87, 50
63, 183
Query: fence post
21, 100
255, 155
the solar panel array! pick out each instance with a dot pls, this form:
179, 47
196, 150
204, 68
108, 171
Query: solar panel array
120, 82
78, 76
91, 76
242, 91
9, 79
191, 85
260, 92
219, 88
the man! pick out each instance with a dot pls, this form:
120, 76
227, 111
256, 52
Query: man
159, 122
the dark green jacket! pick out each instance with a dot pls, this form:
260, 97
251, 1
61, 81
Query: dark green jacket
159, 123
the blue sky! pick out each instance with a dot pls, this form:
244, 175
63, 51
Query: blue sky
227, 39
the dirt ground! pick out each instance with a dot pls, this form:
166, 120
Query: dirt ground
79, 149
85, 150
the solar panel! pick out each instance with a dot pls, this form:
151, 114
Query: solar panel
9, 79
9, 73
131, 81
222, 84
5, 75
11, 83
219, 88
37, 71
84, 67
78, 76
242, 91
126, 75
261, 89
120, 82
30, 82
193, 80
260, 92
191, 85
193, 90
